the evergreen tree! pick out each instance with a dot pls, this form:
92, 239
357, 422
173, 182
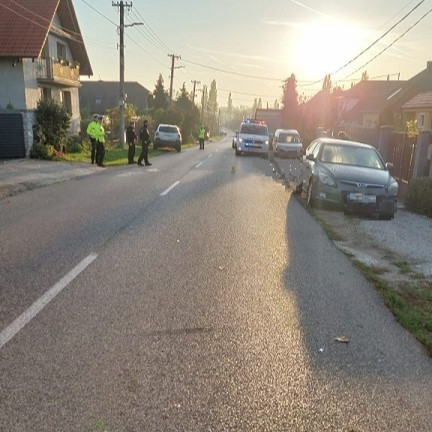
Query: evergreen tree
204, 103
290, 105
183, 99
365, 76
254, 107
229, 107
327, 83
160, 96
276, 104
259, 103
212, 107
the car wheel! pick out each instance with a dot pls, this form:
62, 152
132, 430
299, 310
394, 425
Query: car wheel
237, 153
298, 189
178, 149
310, 201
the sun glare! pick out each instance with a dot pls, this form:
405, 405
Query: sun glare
323, 47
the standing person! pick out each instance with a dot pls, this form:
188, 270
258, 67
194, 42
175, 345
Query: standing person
100, 137
145, 142
201, 137
130, 139
91, 129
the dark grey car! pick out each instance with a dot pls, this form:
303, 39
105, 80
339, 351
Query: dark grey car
349, 174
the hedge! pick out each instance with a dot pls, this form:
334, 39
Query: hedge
418, 198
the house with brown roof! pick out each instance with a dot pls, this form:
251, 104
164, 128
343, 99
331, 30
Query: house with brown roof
42, 55
362, 105
419, 109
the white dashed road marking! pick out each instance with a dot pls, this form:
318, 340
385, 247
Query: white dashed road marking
210, 155
166, 191
9, 332
197, 166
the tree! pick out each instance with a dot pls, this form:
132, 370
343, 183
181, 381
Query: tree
160, 96
229, 107
114, 118
212, 106
53, 120
276, 104
365, 76
290, 108
259, 106
189, 114
327, 83
204, 102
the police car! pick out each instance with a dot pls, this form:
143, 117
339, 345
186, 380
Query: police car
253, 138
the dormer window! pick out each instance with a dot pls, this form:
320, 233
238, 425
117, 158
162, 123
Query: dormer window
61, 51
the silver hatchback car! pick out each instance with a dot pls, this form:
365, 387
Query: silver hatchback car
287, 143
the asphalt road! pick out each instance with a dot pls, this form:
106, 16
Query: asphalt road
210, 301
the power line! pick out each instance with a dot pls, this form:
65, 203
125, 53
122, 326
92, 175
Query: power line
100, 13
390, 45
372, 44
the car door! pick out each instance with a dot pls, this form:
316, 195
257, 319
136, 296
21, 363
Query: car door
308, 164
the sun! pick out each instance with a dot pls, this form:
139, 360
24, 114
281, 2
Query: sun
323, 47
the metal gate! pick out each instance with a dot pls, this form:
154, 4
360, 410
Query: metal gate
12, 143
401, 153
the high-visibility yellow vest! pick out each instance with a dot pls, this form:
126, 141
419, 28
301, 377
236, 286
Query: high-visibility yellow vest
100, 133
91, 129
201, 133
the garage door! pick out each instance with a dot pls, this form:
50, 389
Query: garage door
11, 136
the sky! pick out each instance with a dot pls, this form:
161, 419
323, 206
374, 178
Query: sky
250, 46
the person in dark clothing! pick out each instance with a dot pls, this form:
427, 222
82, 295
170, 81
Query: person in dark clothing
130, 139
145, 142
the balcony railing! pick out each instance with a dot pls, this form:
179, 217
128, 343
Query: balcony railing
58, 72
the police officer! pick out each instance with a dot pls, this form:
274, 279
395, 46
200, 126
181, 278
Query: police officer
130, 139
201, 137
100, 137
91, 129
145, 142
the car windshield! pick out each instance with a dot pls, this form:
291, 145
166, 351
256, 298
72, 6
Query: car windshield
288, 138
254, 129
170, 129
350, 155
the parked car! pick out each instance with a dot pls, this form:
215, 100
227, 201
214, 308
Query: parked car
349, 174
287, 143
167, 135
253, 138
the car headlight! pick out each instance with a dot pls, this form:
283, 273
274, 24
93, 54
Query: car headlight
393, 188
267, 142
240, 140
326, 179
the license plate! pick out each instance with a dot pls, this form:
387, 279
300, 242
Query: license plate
361, 198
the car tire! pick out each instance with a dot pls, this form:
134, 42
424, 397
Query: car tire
298, 189
178, 149
310, 201
237, 153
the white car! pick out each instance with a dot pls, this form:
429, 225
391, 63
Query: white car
253, 138
287, 142
167, 135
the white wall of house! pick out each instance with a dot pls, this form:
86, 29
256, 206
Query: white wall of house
12, 84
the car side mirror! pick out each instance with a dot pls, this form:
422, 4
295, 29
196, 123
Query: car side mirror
389, 166
310, 157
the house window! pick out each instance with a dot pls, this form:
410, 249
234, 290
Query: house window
67, 101
61, 51
421, 121
44, 93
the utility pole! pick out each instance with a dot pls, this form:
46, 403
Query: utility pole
122, 99
195, 82
173, 59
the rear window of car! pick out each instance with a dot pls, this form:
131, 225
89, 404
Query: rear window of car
350, 155
170, 129
254, 129
289, 138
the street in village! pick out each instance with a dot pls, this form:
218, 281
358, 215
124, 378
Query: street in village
198, 294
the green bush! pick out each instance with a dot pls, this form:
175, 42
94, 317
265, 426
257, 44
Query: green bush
42, 151
418, 198
53, 120
74, 144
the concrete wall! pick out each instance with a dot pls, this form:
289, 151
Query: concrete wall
12, 84
32, 92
